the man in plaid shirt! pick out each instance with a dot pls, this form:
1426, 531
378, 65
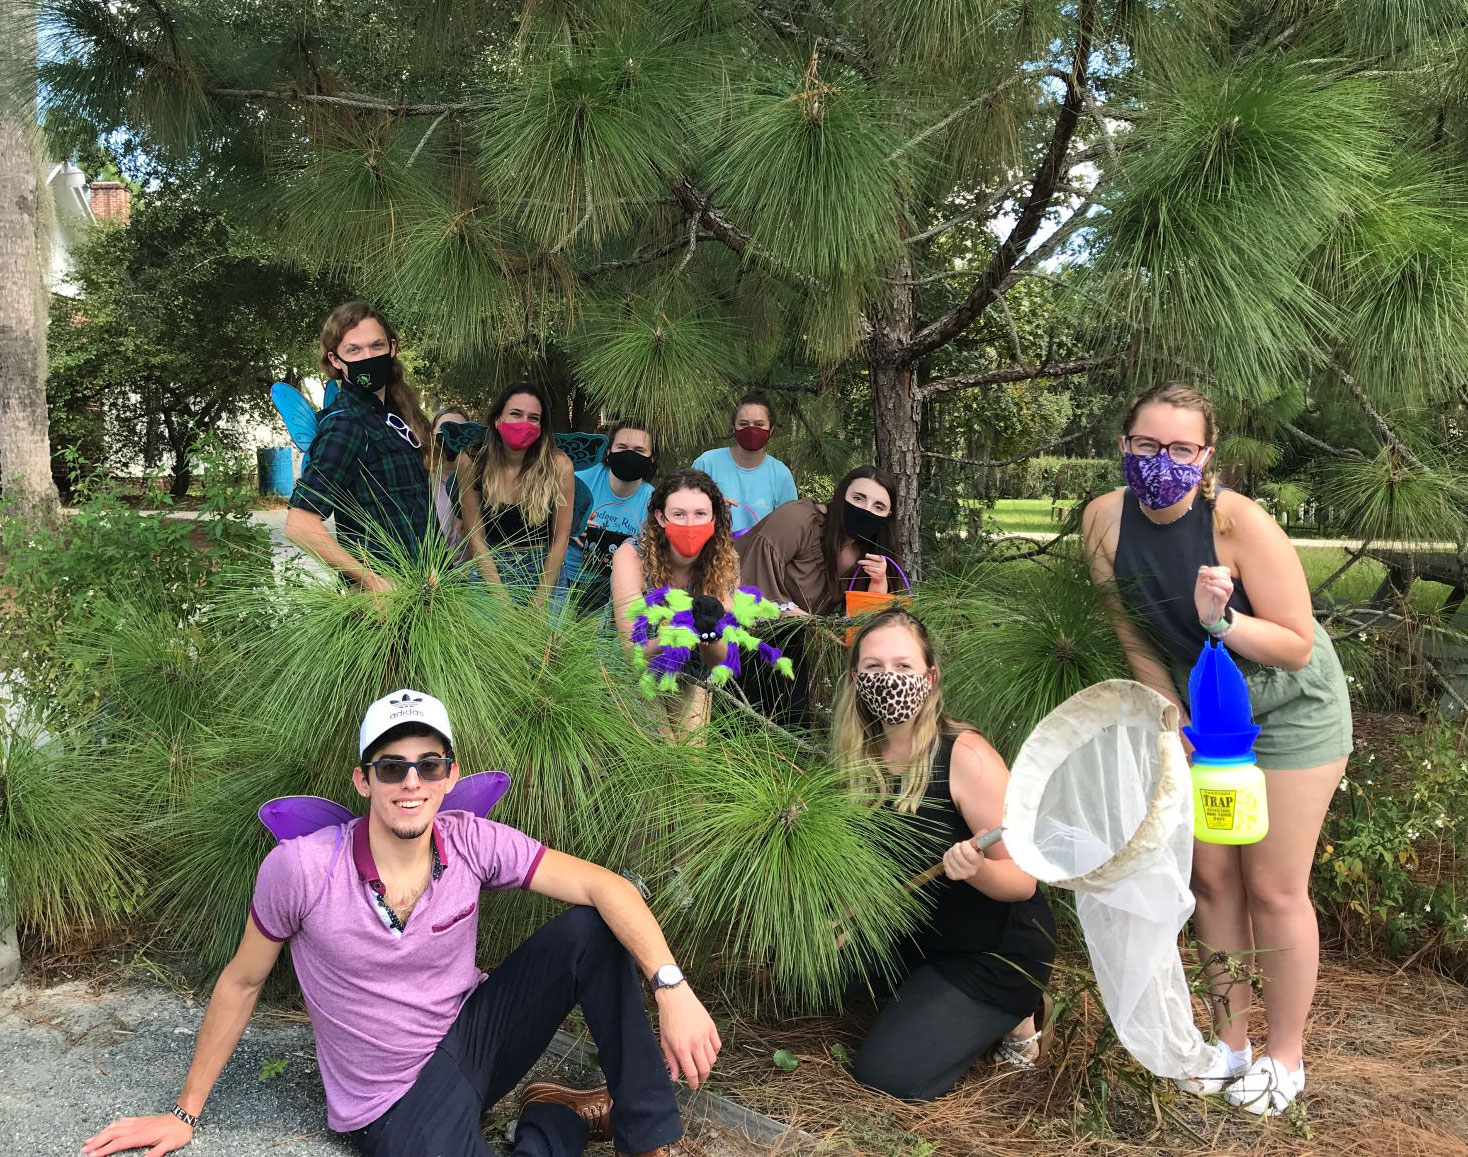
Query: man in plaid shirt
366, 461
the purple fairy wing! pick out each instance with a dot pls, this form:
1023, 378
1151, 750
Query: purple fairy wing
292, 816
477, 793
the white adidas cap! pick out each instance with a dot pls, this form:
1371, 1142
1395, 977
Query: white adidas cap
404, 706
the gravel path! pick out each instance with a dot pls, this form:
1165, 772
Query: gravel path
73, 1057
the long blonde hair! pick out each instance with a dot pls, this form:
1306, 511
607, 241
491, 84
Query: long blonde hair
856, 734
402, 398
716, 569
1185, 397
536, 490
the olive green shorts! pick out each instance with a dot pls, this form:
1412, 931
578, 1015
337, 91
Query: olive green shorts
1305, 715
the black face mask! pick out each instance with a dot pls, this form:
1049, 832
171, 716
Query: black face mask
369, 373
862, 525
629, 465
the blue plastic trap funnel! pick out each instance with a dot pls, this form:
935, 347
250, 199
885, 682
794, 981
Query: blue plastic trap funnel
1222, 728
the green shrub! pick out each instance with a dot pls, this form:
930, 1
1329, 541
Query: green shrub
1387, 875
68, 576
1052, 478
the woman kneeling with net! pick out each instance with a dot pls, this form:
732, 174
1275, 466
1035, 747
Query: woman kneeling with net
974, 974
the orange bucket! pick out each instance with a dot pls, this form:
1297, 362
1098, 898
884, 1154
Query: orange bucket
862, 603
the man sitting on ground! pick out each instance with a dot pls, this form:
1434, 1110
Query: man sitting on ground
413, 1041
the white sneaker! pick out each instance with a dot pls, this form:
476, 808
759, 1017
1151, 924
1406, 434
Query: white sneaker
1226, 1066
1267, 1088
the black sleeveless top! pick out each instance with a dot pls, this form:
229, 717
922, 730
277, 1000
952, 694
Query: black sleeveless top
996, 951
1156, 569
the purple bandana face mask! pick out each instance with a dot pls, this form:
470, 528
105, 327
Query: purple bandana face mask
1158, 481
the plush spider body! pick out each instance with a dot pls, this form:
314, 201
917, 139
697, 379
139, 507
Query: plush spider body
678, 622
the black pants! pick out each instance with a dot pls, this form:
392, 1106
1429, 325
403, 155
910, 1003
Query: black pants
783, 701
927, 1036
503, 1029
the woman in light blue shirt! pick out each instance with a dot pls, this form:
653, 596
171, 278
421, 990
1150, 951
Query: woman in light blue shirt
753, 482
619, 492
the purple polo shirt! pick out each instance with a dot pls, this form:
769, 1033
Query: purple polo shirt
380, 1003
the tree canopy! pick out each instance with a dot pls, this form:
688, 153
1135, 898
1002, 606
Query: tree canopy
181, 327
684, 199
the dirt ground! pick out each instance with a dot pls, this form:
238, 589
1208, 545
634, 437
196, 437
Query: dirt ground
1385, 1057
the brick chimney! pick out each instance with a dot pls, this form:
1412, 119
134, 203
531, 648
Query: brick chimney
111, 201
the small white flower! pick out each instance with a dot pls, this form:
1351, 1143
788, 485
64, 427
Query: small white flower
1412, 834
1345, 785
1442, 821
1427, 907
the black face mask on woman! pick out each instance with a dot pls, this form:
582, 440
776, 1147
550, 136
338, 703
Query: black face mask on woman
862, 525
629, 465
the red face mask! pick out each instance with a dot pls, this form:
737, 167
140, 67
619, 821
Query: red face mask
519, 435
752, 437
689, 540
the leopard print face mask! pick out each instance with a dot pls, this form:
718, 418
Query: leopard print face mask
892, 696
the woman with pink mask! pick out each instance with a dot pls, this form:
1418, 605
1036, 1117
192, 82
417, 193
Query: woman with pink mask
686, 543
517, 494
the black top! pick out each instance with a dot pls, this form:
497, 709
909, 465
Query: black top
1156, 569
504, 526
365, 468
997, 951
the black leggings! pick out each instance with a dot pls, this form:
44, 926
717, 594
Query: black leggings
927, 1037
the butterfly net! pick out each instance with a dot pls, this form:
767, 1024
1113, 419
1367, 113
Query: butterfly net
1100, 802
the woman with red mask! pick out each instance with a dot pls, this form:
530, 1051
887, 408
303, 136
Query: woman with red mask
517, 495
686, 543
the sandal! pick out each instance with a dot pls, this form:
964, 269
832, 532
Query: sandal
1027, 1052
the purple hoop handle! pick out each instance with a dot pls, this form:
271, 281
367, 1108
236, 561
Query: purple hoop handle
748, 507
892, 562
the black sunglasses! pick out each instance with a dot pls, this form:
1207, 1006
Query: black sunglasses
394, 768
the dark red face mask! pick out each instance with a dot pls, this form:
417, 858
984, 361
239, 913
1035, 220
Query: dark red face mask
752, 437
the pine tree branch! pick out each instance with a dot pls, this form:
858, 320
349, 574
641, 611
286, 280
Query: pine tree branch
644, 258
1046, 249
826, 45
995, 463
1355, 556
1042, 189
963, 110
341, 100
942, 386
1382, 426
1325, 447
699, 207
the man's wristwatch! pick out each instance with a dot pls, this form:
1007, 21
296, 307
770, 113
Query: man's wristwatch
187, 1118
668, 976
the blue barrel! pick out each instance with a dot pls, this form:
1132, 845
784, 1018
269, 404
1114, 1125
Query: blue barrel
277, 472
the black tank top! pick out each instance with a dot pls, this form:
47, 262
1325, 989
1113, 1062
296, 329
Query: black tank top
1156, 569
997, 951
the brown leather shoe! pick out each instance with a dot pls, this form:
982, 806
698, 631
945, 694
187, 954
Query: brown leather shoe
594, 1106
683, 1147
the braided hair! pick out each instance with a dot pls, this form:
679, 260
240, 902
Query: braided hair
1185, 397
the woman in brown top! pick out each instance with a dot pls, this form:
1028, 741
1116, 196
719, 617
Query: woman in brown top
803, 555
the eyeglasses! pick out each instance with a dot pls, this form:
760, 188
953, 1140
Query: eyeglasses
1183, 453
394, 768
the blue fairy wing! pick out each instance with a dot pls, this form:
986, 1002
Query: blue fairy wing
291, 816
457, 437
328, 395
583, 449
298, 414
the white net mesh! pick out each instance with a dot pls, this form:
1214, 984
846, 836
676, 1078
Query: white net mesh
1100, 802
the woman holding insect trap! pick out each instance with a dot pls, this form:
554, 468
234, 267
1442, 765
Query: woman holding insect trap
975, 973
1190, 563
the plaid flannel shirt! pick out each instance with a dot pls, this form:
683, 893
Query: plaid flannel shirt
363, 470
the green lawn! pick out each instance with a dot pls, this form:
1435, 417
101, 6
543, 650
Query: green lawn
1355, 587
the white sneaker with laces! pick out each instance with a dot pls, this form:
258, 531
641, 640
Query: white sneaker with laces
1226, 1066
1267, 1088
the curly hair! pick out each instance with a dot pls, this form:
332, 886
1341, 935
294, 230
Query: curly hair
716, 569
1184, 397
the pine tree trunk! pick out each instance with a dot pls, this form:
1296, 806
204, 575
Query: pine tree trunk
25, 445
897, 412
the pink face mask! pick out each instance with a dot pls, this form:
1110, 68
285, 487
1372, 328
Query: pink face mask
519, 435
